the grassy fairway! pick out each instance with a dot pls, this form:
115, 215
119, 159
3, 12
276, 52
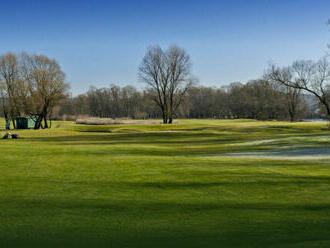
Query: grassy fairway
166, 186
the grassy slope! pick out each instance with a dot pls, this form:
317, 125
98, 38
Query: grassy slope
163, 186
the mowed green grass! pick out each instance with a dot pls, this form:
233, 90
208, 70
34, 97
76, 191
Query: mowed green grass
164, 186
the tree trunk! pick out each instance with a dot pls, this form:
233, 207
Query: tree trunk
170, 115
164, 118
7, 120
37, 125
5, 114
42, 116
14, 123
292, 115
45, 122
164, 115
328, 111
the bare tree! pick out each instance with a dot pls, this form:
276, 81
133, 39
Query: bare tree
167, 74
291, 98
46, 85
311, 77
9, 73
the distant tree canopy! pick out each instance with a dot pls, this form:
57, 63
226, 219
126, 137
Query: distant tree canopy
31, 85
258, 99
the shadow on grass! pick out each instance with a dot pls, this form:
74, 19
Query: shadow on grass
95, 223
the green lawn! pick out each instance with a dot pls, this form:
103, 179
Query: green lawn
165, 186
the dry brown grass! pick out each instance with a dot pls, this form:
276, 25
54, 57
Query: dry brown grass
109, 121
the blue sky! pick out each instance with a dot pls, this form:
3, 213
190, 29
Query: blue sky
102, 42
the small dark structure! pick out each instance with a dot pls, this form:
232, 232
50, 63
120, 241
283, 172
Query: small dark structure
25, 123
10, 136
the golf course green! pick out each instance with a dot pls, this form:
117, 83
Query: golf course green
197, 183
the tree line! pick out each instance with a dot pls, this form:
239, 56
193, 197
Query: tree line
258, 99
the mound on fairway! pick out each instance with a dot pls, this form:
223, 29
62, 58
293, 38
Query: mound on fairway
165, 186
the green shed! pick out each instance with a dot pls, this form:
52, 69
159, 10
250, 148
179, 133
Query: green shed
24, 123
